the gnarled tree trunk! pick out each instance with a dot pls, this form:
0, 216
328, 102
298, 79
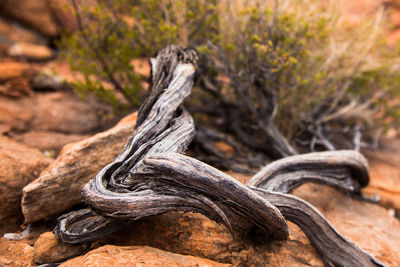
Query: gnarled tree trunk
151, 176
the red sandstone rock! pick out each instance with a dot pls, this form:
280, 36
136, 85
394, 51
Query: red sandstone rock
11, 32
49, 141
59, 186
17, 114
15, 254
19, 165
48, 249
137, 256
30, 51
64, 112
368, 225
36, 14
385, 173
10, 70
16, 88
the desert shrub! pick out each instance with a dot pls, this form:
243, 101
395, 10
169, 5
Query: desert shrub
323, 71
111, 34
296, 63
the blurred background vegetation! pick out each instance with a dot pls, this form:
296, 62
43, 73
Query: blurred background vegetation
299, 65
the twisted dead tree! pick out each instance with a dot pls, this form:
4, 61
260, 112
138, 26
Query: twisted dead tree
151, 176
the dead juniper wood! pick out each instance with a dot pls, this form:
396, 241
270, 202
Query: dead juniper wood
345, 170
151, 176
334, 248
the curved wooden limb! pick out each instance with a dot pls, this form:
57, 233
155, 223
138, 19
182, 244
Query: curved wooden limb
334, 248
148, 137
171, 181
346, 170
163, 71
164, 126
85, 226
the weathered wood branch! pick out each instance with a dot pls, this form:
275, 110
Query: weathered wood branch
162, 126
84, 225
151, 177
171, 181
346, 170
121, 191
163, 69
334, 248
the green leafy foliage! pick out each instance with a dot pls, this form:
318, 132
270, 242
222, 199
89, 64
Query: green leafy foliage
111, 35
318, 67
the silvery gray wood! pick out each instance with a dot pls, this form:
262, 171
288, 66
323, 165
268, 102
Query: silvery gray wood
151, 176
346, 170
334, 248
